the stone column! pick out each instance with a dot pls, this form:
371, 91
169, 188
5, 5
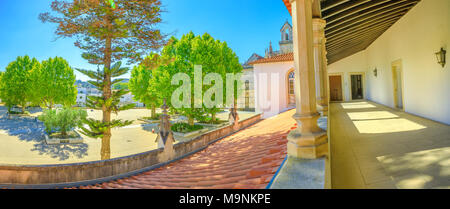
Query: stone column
308, 140
325, 76
319, 64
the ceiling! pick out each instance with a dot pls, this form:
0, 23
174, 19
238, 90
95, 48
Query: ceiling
352, 25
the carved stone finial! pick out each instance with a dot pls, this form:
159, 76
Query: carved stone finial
164, 107
165, 137
165, 132
233, 118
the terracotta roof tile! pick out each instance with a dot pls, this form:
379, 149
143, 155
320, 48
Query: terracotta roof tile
245, 160
278, 58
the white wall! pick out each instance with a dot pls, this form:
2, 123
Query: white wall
414, 40
275, 91
352, 64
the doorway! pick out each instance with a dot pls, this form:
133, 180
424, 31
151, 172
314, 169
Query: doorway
357, 88
335, 88
397, 78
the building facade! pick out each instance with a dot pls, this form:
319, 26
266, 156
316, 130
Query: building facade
274, 77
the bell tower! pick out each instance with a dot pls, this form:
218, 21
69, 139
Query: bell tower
286, 43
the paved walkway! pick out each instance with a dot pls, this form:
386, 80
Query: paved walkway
246, 160
22, 140
377, 147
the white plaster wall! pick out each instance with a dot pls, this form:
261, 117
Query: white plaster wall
414, 39
276, 92
352, 64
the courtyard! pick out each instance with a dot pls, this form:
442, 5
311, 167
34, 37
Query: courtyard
23, 139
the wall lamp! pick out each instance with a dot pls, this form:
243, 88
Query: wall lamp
441, 57
375, 72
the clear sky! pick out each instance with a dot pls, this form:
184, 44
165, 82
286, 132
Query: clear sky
246, 25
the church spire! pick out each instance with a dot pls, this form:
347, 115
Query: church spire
270, 49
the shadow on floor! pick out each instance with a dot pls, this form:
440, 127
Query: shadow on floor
31, 130
374, 145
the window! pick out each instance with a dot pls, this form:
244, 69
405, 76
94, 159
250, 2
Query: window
247, 94
291, 87
291, 82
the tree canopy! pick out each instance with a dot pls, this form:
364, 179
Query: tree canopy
16, 87
216, 60
54, 83
142, 83
109, 34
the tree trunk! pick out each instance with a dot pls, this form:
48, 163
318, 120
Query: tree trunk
213, 117
191, 120
153, 111
63, 131
23, 109
106, 140
106, 146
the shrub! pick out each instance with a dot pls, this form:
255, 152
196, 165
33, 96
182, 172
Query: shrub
185, 127
62, 120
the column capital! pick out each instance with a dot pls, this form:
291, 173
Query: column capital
319, 24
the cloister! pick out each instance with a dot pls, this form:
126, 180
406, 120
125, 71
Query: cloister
367, 141
372, 109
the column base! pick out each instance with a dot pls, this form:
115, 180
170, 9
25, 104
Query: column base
308, 141
307, 146
324, 110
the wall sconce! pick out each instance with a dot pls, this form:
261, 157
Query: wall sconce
441, 57
375, 72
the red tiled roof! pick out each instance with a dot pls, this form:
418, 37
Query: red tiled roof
245, 160
278, 58
288, 5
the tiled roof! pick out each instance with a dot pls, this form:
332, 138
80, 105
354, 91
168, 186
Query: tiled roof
245, 160
253, 58
278, 58
288, 5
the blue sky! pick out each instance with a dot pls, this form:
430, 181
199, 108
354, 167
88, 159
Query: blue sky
246, 25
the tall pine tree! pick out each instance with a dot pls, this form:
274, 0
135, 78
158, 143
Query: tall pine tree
108, 31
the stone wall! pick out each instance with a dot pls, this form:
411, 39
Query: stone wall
50, 176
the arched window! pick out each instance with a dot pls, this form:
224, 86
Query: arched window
291, 85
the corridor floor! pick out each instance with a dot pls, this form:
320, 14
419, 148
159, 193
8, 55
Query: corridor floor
376, 147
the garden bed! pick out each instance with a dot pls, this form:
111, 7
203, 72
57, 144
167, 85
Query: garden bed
56, 138
214, 125
148, 121
185, 130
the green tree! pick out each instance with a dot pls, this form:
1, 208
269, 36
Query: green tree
63, 120
141, 85
17, 83
108, 33
54, 83
214, 56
